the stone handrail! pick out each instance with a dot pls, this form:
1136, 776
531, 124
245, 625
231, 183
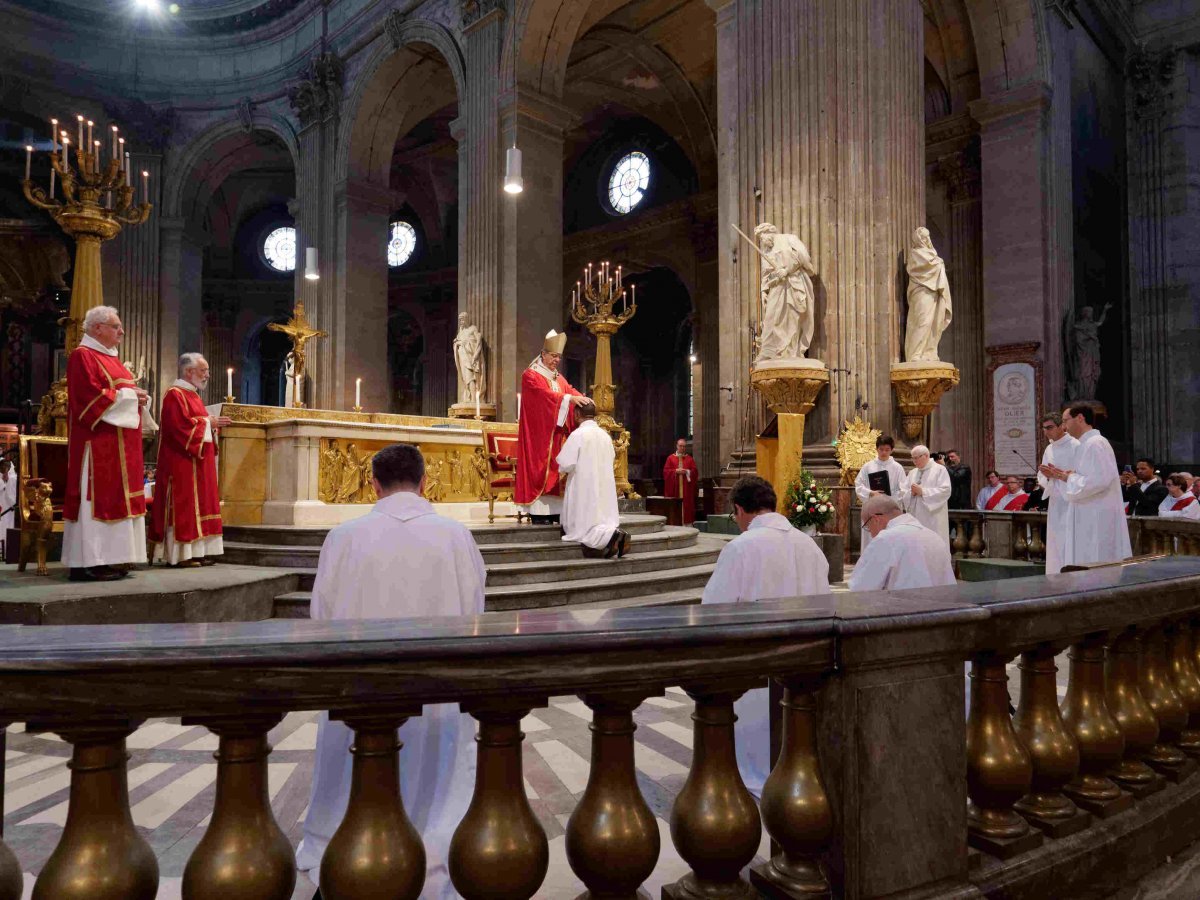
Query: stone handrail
868, 796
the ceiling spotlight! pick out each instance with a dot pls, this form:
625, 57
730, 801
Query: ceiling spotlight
173, 9
152, 5
692, 359
513, 183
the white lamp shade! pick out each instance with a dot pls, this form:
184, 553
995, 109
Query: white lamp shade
512, 171
310, 264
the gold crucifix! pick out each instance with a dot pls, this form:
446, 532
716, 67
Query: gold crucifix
300, 330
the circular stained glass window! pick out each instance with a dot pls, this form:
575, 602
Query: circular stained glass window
402, 241
280, 249
628, 182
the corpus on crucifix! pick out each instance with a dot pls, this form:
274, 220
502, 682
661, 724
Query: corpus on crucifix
300, 330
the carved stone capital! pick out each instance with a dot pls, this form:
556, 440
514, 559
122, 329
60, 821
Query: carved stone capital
1150, 76
319, 90
919, 388
790, 389
474, 10
961, 172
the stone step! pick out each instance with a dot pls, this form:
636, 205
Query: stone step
703, 553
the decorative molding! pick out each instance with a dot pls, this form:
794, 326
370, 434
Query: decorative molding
245, 114
475, 10
962, 173
319, 90
393, 27
790, 390
1150, 77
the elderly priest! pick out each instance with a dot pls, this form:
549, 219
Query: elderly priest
543, 423
679, 479
186, 519
927, 493
105, 506
903, 552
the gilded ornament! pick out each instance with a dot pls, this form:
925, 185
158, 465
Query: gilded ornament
918, 390
300, 330
855, 447
790, 389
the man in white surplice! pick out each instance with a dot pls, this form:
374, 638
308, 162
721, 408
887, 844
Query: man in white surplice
883, 462
927, 493
589, 509
1060, 452
1095, 530
903, 552
770, 559
399, 560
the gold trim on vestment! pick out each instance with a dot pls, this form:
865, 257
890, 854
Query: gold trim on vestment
99, 396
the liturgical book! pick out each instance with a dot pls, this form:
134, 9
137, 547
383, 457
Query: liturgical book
879, 481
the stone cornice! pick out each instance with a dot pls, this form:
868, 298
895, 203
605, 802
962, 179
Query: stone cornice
1028, 99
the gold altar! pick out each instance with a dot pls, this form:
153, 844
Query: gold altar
311, 467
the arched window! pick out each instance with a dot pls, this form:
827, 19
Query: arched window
279, 249
628, 182
402, 241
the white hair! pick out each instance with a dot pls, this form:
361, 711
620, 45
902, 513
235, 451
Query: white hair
98, 315
188, 361
920, 450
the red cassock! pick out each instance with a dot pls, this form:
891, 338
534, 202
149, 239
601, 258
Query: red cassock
1015, 502
185, 481
538, 437
115, 479
674, 463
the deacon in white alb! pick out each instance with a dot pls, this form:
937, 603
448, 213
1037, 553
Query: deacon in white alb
1096, 530
769, 560
589, 509
903, 554
399, 560
927, 493
1060, 452
883, 462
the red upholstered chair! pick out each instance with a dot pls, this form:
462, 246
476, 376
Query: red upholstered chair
500, 448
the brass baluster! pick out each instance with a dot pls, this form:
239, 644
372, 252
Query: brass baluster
975, 546
1187, 682
100, 855
1020, 545
795, 806
1052, 750
1133, 715
999, 771
1159, 690
612, 837
1037, 546
244, 853
499, 850
12, 882
714, 822
959, 545
1096, 732
376, 851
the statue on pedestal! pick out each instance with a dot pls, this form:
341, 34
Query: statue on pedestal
929, 306
468, 359
1083, 352
787, 295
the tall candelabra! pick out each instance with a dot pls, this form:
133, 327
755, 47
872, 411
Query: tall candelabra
601, 304
97, 199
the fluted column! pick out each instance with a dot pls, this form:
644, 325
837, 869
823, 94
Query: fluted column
821, 133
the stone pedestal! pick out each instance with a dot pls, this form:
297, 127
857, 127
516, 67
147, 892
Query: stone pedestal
487, 411
919, 386
790, 388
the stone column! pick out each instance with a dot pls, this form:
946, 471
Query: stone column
820, 132
182, 261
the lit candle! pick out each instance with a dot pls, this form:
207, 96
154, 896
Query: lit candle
65, 146
96, 161
145, 186
635, 296
114, 150
477, 404
90, 124
79, 119
54, 135
229, 382
358, 392
518, 406
53, 174
28, 160
127, 169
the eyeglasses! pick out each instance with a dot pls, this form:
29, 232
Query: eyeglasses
868, 519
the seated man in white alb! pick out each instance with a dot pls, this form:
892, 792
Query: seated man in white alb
1180, 503
589, 508
769, 560
903, 552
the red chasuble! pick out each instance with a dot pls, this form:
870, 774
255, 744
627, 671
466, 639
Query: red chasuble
539, 439
671, 484
994, 500
115, 476
1015, 502
185, 485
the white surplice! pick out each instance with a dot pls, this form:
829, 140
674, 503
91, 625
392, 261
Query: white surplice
1060, 453
905, 554
771, 559
862, 487
982, 498
8, 498
171, 551
589, 510
1097, 529
931, 509
400, 560
1188, 510
87, 541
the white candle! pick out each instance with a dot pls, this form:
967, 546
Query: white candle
96, 161
90, 124
518, 406
145, 186
53, 174
79, 119
358, 392
126, 170
229, 382
477, 404
54, 135
66, 143
114, 150
28, 160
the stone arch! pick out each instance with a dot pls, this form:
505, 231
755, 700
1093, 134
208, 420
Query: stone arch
1011, 43
538, 42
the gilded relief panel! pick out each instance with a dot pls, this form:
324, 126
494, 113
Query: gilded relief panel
453, 473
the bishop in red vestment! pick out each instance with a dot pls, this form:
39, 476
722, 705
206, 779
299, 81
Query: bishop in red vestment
543, 423
682, 461
104, 507
186, 517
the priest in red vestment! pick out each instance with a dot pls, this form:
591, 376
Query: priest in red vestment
185, 521
1013, 499
682, 462
104, 508
543, 422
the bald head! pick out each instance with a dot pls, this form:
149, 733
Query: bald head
878, 511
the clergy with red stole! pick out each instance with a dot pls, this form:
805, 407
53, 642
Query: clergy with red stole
185, 521
680, 471
105, 506
543, 422
1014, 498
1179, 503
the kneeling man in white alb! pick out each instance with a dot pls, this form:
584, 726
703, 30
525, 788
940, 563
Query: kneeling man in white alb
589, 507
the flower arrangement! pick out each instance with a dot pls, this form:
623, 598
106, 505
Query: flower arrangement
808, 505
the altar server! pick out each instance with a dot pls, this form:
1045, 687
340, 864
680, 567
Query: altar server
680, 471
1060, 452
543, 423
769, 559
1096, 530
927, 493
1180, 503
589, 510
185, 522
399, 560
105, 506
883, 462
903, 552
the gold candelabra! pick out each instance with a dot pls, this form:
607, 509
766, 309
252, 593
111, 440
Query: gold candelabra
97, 199
601, 304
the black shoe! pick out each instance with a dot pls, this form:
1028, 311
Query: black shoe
95, 573
207, 561
624, 543
614, 545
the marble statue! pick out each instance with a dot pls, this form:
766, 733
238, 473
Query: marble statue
929, 306
1083, 353
468, 359
787, 295
289, 379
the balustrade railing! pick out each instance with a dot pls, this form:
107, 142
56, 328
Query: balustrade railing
881, 784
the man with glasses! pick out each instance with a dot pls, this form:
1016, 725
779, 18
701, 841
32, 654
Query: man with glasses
1060, 452
903, 553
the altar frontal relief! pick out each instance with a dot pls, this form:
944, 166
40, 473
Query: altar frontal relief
453, 473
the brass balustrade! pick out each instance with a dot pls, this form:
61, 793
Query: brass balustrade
1134, 716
